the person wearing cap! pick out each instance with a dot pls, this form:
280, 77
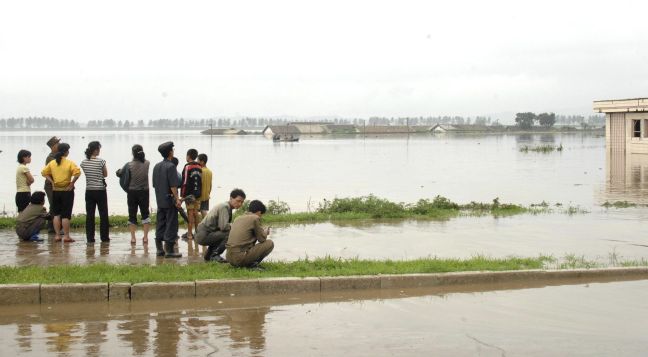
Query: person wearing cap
62, 174
52, 143
165, 183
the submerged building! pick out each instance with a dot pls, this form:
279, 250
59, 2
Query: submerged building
626, 124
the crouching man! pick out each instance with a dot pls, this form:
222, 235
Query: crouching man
248, 245
32, 219
214, 229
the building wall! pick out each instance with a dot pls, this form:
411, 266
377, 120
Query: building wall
635, 145
615, 131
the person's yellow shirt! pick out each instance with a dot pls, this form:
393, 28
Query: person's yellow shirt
206, 184
61, 174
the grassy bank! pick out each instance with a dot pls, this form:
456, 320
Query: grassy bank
300, 268
356, 208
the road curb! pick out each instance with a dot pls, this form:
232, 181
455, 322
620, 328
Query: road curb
12, 294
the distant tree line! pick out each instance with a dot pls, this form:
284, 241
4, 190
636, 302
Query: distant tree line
528, 119
38, 122
525, 120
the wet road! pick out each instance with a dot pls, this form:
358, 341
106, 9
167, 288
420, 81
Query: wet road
596, 319
602, 236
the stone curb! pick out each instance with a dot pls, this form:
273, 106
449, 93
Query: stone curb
11, 294
74, 292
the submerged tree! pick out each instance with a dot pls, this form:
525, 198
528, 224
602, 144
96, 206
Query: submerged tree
525, 120
547, 119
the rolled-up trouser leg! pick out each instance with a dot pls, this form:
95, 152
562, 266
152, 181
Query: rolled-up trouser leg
255, 255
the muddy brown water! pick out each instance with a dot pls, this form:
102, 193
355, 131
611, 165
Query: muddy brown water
597, 318
605, 237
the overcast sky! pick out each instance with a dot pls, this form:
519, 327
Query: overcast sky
132, 60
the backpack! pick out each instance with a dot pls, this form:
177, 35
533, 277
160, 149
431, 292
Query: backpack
191, 180
124, 176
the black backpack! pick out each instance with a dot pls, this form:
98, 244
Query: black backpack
191, 180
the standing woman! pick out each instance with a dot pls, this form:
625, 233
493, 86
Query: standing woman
62, 174
138, 193
95, 171
24, 179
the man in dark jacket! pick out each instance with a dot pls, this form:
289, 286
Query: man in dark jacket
165, 182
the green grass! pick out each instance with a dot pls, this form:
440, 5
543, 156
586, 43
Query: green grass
357, 208
619, 204
301, 268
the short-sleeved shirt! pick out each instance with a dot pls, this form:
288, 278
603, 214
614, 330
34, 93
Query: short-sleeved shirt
61, 174
165, 176
93, 171
21, 178
139, 177
206, 184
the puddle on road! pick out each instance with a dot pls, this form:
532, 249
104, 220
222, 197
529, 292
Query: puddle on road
585, 319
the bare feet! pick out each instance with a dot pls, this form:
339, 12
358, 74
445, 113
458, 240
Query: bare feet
57, 239
145, 240
133, 241
68, 240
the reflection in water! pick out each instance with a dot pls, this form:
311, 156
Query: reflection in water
444, 321
247, 327
94, 337
62, 336
136, 333
626, 177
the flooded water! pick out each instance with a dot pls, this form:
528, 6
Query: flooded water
400, 168
595, 319
597, 236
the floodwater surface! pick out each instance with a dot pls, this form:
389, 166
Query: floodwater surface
596, 236
594, 319
400, 168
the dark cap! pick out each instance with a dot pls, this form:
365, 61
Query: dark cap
53, 141
165, 148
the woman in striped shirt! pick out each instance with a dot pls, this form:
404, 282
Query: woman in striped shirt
95, 172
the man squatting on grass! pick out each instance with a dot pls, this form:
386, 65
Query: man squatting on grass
214, 229
165, 182
247, 244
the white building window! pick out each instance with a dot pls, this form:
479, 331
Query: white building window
636, 128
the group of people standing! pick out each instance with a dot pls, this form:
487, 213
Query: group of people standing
244, 239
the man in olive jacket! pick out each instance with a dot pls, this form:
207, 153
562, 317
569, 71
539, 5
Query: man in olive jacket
213, 231
247, 244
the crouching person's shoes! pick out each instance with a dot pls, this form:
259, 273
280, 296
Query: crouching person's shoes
208, 253
218, 258
256, 266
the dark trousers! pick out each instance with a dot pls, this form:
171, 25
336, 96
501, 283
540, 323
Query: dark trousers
96, 199
135, 199
166, 227
214, 240
22, 200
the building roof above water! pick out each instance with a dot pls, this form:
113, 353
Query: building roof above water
621, 105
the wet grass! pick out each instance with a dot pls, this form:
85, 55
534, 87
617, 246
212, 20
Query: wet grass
301, 268
545, 149
619, 204
362, 208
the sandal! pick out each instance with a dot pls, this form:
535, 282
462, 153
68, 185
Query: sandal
68, 240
